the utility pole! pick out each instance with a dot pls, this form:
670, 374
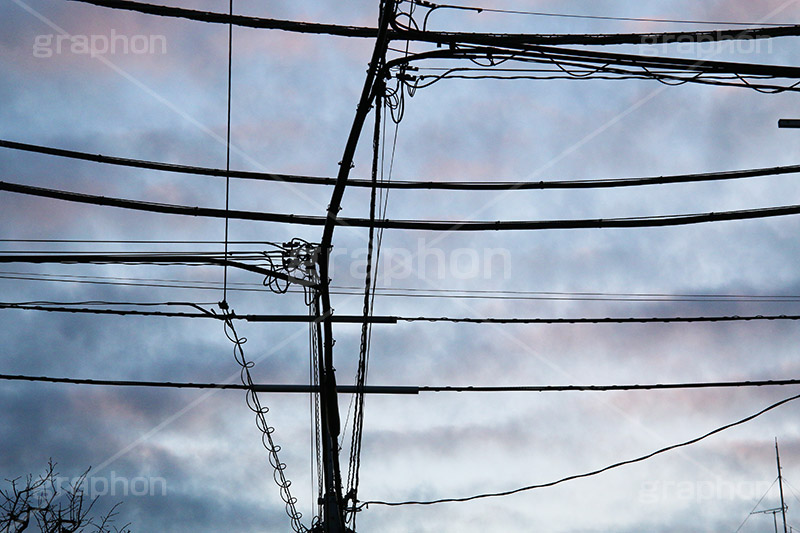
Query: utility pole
333, 519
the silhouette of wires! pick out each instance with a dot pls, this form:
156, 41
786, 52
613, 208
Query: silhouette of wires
433, 6
586, 474
395, 103
584, 64
261, 411
427, 225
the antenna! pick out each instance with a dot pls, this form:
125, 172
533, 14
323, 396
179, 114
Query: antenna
782, 508
780, 484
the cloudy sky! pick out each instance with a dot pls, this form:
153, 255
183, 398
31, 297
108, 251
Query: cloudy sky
293, 101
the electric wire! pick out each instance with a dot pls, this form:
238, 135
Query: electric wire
128, 241
153, 259
391, 319
351, 489
260, 410
440, 37
413, 292
238, 20
421, 225
343, 319
586, 474
228, 153
425, 3
692, 71
397, 184
405, 390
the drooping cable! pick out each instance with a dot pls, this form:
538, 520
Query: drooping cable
582, 183
261, 411
422, 225
586, 474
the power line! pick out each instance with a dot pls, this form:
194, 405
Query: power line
410, 292
237, 20
433, 5
166, 167
128, 241
455, 39
390, 319
448, 37
601, 320
586, 474
400, 184
344, 319
426, 225
582, 57
170, 259
401, 389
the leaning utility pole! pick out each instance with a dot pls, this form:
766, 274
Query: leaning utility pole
333, 519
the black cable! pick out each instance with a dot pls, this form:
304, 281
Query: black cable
389, 319
238, 20
351, 489
442, 37
412, 292
155, 259
428, 225
403, 390
612, 388
344, 319
425, 3
586, 474
128, 241
603, 320
255, 405
400, 184
548, 54
228, 155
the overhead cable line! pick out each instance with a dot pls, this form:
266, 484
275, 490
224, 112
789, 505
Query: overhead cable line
400, 184
228, 153
343, 319
166, 167
549, 54
405, 390
447, 37
479, 9
408, 292
423, 225
599, 320
236, 20
129, 241
162, 259
390, 319
586, 474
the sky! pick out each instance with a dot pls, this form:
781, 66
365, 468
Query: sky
192, 460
